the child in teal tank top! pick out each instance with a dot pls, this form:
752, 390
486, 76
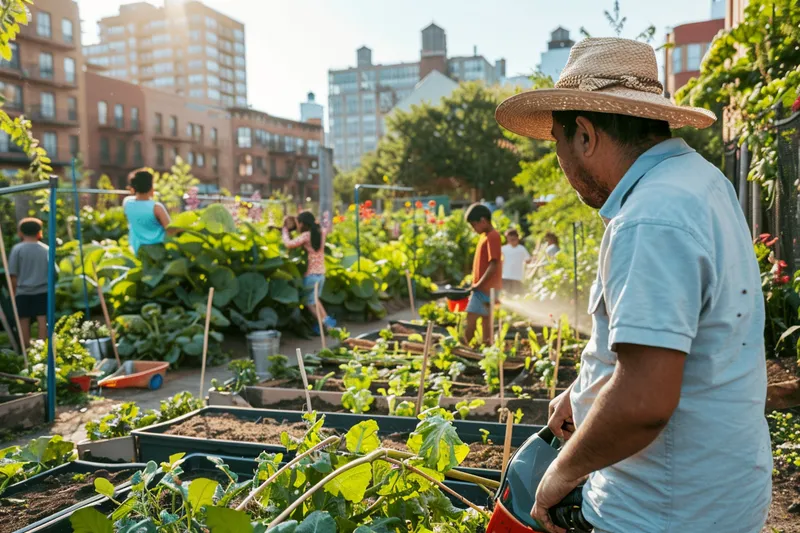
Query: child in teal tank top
147, 219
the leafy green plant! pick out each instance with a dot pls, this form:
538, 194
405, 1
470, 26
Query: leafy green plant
18, 463
357, 400
244, 374
465, 407
785, 433
124, 418
93, 330
493, 357
175, 336
279, 369
439, 314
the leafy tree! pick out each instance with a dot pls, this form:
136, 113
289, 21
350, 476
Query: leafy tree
617, 23
170, 187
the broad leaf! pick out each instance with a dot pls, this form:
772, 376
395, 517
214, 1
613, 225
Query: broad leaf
290, 526
224, 520
317, 522
124, 510
178, 267
436, 441
104, 487
225, 284
253, 288
282, 292
201, 492
352, 483
363, 437
90, 520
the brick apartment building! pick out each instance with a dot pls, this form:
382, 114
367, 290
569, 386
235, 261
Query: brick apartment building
689, 44
185, 47
276, 154
42, 80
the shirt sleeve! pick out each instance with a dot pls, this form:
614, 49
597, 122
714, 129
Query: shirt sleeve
656, 280
13, 262
494, 245
297, 242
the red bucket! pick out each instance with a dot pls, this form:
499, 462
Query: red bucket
457, 306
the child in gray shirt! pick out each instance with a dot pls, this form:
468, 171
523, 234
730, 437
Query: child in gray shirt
27, 267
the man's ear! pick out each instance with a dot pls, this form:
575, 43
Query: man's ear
586, 136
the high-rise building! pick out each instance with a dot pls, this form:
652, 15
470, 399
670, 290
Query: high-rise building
360, 97
555, 58
184, 47
43, 81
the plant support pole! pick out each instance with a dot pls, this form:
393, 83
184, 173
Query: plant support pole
76, 201
205, 343
411, 295
51, 302
557, 360
319, 316
303, 375
507, 441
14, 310
358, 231
425, 353
575, 269
492, 296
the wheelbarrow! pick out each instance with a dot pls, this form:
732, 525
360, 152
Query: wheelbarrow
137, 374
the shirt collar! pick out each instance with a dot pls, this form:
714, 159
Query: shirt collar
655, 155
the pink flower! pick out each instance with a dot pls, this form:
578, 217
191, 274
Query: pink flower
432, 203
796, 105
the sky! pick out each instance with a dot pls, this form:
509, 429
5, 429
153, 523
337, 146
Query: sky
291, 44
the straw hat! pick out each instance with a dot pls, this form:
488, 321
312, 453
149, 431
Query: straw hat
606, 75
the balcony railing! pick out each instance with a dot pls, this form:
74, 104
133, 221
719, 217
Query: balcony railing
51, 115
34, 72
30, 33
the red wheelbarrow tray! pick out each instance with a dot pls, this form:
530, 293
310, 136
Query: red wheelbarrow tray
137, 374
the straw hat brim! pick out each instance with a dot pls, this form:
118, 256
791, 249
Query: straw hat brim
530, 113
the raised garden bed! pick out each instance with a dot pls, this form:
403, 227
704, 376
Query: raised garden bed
256, 430
111, 450
56, 492
21, 411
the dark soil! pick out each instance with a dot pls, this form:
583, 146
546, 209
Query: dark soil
782, 369
52, 494
480, 455
299, 404
229, 427
785, 493
531, 414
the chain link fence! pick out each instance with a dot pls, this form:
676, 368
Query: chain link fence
786, 210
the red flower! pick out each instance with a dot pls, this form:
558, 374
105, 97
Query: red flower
418, 204
368, 203
432, 220
432, 203
784, 279
441, 222
796, 105
427, 212
764, 237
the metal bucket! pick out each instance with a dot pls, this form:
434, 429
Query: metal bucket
262, 345
99, 348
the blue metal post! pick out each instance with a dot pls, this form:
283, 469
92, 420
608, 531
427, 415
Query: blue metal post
76, 200
51, 302
358, 232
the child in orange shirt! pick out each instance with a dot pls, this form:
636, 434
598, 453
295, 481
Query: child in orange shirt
487, 270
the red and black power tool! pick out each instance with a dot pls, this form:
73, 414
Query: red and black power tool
515, 496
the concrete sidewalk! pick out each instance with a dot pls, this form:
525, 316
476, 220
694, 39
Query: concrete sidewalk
70, 421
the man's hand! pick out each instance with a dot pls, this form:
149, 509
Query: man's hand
560, 419
553, 488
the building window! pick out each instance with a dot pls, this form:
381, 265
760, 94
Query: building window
196, 79
14, 61
13, 96
119, 116
351, 103
694, 56
138, 160
197, 132
201, 160
72, 108
122, 152
50, 144
368, 103
5, 139
213, 135
189, 130
677, 60
43, 28
175, 154
74, 145
102, 113
196, 93
190, 158
66, 31
173, 126
241, 101
244, 138
213, 94
214, 165
46, 65
159, 123
211, 37
238, 35
246, 165
160, 155
212, 66
105, 152
69, 70
48, 105
135, 118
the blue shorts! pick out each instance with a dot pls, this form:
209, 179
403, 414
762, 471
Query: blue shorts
308, 286
479, 303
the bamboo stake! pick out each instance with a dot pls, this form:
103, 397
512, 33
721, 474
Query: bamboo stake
205, 343
491, 313
411, 294
305, 378
507, 442
500, 369
319, 315
106, 316
426, 352
13, 300
281, 470
557, 359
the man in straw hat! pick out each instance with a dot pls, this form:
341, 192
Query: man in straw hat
667, 415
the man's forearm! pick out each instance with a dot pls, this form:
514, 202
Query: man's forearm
615, 429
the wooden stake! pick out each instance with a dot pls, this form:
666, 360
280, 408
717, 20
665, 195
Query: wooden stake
426, 352
305, 378
319, 316
411, 295
106, 315
507, 442
557, 359
13, 300
9, 331
205, 343
491, 314
501, 372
